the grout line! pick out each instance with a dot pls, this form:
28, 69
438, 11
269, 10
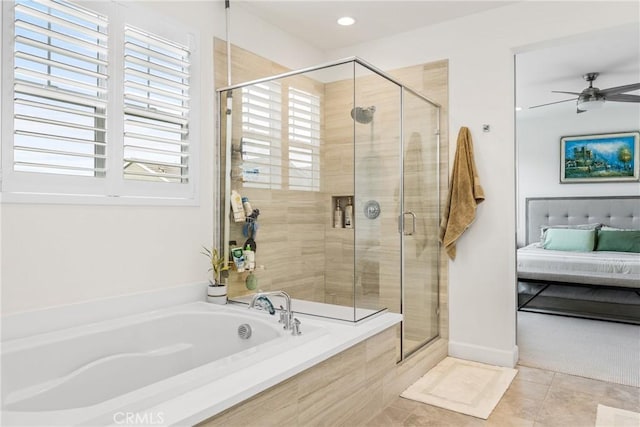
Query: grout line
544, 401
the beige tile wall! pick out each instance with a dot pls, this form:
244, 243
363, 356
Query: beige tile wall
376, 158
307, 257
345, 390
290, 239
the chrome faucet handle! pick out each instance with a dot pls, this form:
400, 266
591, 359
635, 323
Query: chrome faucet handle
295, 327
283, 315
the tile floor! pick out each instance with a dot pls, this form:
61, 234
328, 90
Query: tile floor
536, 397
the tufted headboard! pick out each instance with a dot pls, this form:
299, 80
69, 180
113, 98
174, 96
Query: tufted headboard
615, 211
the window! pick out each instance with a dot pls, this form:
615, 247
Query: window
304, 141
60, 74
263, 153
156, 85
100, 106
261, 135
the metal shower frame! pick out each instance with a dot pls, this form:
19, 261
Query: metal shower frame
356, 60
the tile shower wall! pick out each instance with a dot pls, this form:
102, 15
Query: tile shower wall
310, 258
338, 163
369, 255
291, 235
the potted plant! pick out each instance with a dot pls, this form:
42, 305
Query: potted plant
216, 291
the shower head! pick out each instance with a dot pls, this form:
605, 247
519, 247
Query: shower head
363, 115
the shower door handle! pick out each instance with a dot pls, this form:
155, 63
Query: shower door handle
413, 223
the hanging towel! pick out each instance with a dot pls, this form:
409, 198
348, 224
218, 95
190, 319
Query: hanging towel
465, 193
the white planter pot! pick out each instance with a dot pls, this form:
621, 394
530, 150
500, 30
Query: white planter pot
217, 294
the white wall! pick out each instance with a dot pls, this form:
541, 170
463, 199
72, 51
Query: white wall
252, 33
480, 50
61, 254
538, 157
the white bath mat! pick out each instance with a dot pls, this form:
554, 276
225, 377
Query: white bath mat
462, 386
614, 417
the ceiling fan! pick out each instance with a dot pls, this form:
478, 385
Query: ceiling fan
592, 98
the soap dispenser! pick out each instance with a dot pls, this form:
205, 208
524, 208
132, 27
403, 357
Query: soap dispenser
348, 214
250, 258
337, 216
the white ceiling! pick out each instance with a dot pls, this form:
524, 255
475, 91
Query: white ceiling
314, 21
615, 54
556, 65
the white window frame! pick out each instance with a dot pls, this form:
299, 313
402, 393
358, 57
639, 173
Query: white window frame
283, 137
269, 136
25, 187
306, 104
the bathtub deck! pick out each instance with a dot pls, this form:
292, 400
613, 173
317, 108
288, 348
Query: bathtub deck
197, 395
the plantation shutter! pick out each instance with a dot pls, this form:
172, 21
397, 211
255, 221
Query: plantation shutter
304, 141
156, 108
60, 94
261, 135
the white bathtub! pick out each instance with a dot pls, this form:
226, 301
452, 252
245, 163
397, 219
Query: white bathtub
174, 366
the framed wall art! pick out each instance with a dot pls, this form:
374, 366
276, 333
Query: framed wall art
606, 157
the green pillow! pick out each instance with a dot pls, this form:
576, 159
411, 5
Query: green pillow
619, 240
569, 239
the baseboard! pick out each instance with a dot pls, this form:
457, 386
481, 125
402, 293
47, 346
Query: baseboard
478, 353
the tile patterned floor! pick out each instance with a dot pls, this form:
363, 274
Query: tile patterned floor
535, 398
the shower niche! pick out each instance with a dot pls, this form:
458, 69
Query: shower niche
342, 212
300, 143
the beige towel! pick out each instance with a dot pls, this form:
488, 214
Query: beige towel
465, 193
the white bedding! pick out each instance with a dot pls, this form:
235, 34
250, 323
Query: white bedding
596, 268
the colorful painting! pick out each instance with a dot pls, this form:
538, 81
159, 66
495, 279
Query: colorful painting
600, 158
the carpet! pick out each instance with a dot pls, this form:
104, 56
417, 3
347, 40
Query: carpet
463, 386
614, 417
594, 349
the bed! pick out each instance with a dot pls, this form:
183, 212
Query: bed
606, 276
603, 268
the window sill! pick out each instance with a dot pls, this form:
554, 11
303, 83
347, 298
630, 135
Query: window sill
78, 199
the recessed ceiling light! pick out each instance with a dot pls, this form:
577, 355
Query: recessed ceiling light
346, 21
518, 108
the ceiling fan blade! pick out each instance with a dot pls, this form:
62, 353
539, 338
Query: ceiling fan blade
623, 98
620, 89
551, 103
570, 93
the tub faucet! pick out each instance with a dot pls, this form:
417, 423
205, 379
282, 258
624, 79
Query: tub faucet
261, 299
264, 303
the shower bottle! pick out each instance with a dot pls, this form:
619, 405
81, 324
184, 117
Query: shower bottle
337, 216
348, 214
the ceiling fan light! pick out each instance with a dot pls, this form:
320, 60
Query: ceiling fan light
593, 104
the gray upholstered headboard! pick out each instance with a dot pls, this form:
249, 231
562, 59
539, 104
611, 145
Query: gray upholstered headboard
617, 211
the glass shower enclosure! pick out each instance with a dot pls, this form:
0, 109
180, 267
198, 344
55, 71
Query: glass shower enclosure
329, 177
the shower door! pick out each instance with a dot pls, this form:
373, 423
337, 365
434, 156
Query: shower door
396, 205
420, 247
